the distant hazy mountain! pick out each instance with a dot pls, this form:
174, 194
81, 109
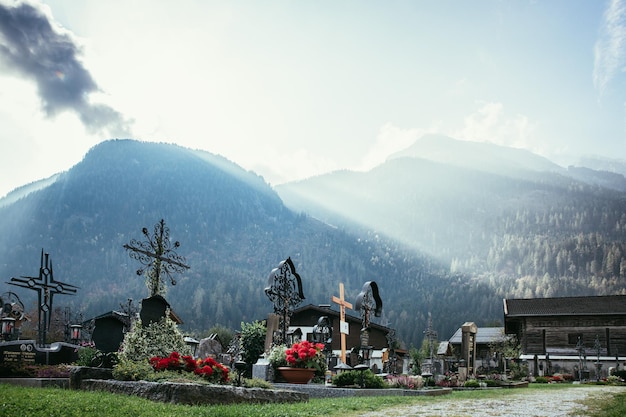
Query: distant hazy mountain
480, 156
509, 218
233, 229
449, 230
598, 163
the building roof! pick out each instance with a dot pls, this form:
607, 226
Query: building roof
484, 335
113, 314
328, 311
444, 349
566, 306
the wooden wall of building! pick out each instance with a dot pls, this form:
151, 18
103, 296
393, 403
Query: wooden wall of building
540, 335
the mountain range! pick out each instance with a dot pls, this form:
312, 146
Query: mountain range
448, 227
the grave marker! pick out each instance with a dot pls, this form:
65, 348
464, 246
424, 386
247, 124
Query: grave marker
344, 328
157, 256
284, 289
46, 288
366, 301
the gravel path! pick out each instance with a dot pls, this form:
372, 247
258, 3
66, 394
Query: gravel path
560, 403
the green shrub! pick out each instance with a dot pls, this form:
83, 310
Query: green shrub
86, 356
252, 341
542, 380
518, 371
256, 383
367, 378
471, 383
128, 370
176, 376
157, 339
613, 380
491, 383
620, 373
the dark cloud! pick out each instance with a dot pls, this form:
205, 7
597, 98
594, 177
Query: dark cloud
32, 47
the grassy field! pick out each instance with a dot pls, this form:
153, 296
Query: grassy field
53, 402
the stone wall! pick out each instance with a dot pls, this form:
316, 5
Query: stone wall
194, 394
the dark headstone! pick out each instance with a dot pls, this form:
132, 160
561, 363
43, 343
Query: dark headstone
108, 333
19, 353
153, 309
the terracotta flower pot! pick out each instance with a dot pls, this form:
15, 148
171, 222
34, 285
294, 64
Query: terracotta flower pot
297, 375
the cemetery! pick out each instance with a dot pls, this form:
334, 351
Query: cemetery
294, 354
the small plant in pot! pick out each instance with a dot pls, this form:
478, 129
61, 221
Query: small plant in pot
302, 358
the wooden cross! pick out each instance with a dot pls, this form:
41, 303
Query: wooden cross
343, 328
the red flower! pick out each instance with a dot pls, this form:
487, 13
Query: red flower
305, 355
208, 368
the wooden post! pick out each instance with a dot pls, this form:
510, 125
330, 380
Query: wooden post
343, 326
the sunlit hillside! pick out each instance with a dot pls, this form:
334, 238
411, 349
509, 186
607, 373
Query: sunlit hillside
504, 216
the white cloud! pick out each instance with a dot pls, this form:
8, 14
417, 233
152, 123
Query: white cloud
34, 140
610, 48
390, 139
490, 123
278, 166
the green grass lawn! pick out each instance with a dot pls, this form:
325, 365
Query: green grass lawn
52, 402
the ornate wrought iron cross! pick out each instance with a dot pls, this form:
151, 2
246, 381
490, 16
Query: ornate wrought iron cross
46, 287
368, 300
284, 289
158, 257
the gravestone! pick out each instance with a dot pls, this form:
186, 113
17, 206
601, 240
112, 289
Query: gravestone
18, 353
468, 345
153, 309
210, 347
108, 332
272, 330
263, 370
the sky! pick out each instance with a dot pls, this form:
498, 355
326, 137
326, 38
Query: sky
293, 89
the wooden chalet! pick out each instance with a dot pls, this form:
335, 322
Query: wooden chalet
563, 334
305, 318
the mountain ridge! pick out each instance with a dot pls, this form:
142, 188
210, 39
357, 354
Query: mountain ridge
233, 230
484, 235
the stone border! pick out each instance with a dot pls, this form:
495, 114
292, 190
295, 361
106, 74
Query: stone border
194, 394
98, 379
37, 382
321, 391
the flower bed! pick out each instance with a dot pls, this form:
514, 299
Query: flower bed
208, 368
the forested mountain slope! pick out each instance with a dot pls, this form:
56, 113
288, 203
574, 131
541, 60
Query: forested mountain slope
533, 230
233, 229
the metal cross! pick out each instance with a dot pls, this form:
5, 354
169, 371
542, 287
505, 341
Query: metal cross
284, 289
366, 301
46, 287
158, 257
